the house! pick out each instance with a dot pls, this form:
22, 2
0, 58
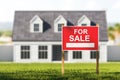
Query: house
37, 35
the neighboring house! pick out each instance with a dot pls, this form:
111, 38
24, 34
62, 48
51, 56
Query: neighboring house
37, 35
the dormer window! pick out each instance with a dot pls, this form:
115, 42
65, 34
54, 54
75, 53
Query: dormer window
84, 21
84, 24
36, 27
36, 24
60, 27
58, 23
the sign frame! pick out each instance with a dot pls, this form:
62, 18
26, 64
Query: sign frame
83, 42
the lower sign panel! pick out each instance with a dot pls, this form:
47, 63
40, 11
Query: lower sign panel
80, 45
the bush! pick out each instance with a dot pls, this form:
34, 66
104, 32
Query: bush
6, 33
1, 33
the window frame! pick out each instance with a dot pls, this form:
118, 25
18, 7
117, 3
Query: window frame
93, 54
77, 55
83, 24
36, 26
42, 52
60, 27
25, 52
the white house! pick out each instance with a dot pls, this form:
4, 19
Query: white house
37, 35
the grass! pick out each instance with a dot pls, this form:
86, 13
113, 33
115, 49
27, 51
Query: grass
52, 71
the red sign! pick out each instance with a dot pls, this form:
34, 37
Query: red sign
80, 38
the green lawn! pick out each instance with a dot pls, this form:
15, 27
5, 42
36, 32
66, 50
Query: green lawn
52, 71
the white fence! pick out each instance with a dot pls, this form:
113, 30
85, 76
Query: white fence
113, 53
6, 53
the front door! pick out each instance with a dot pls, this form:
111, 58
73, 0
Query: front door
57, 53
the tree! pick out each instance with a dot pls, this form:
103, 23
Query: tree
117, 27
111, 31
111, 36
1, 33
8, 33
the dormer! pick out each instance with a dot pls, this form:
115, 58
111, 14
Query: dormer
58, 23
36, 24
84, 21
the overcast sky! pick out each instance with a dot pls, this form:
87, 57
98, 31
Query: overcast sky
8, 7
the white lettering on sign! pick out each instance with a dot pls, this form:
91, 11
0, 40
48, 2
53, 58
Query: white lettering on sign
86, 37
80, 31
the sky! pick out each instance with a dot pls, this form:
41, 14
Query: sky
8, 7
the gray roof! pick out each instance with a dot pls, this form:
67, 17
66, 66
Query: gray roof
21, 29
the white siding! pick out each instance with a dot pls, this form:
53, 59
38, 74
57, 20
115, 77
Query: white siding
70, 59
34, 52
86, 56
16, 53
103, 53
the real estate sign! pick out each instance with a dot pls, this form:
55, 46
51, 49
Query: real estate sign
80, 38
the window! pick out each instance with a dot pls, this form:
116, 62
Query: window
60, 27
58, 23
93, 54
42, 52
77, 54
36, 24
25, 52
83, 24
36, 27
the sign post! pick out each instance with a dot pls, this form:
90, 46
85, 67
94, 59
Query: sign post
97, 59
62, 59
97, 62
80, 38
62, 62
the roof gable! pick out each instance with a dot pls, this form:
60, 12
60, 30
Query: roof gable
35, 18
60, 18
83, 18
